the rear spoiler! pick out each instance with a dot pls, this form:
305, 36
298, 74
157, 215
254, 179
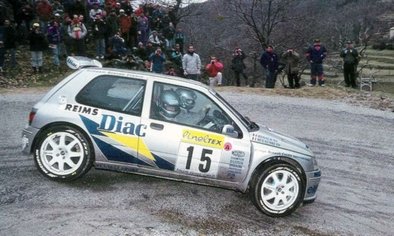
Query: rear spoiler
78, 62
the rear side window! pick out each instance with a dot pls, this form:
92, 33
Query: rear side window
114, 93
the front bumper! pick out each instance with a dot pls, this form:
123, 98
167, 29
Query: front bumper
313, 180
28, 135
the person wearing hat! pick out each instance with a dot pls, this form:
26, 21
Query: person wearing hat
315, 55
154, 39
38, 44
292, 59
238, 66
350, 61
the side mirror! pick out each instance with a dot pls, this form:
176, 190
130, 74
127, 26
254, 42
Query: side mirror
230, 131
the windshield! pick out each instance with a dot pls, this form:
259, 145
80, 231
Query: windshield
250, 125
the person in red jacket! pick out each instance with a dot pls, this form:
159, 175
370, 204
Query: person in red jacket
214, 69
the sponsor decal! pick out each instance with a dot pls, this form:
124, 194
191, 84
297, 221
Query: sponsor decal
203, 138
81, 109
227, 146
265, 140
128, 139
110, 123
237, 153
72, 63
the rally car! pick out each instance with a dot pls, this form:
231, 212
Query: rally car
168, 127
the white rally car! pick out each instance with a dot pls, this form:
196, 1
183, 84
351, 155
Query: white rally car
166, 127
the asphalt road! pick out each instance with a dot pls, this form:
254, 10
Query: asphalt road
354, 148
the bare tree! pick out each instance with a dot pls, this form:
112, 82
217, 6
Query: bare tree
262, 17
178, 10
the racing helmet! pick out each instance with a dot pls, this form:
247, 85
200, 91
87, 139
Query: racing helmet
187, 98
168, 104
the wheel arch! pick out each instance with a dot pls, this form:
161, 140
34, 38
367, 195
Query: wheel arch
278, 160
56, 124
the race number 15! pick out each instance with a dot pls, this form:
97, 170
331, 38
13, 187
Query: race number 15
198, 159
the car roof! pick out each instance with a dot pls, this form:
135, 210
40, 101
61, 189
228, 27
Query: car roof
144, 74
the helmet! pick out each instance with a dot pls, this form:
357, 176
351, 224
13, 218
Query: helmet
168, 104
187, 98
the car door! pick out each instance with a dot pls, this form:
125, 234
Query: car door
183, 135
116, 125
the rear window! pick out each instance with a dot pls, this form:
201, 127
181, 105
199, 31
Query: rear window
114, 93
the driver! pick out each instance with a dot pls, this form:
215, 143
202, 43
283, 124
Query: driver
187, 100
168, 105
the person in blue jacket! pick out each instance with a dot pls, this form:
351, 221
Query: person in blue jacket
157, 59
315, 55
270, 62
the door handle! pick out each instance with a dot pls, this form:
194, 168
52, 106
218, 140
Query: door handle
156, 126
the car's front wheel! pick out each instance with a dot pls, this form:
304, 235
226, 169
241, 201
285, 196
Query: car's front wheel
277, 190
63, 153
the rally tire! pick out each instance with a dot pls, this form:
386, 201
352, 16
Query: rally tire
63, 153
277, 190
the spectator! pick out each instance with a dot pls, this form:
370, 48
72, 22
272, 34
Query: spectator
141, 52
149, 49
119, 49
269, 61
112, 23
38, 44
169, 33
214, 69
292, 59
350, 61
44, 13
124, 24
238, 66
78, 9
54, 39
143, 28
68, 41
171, 71
140, 10
92, 3
154, 39
133, 34
157, 60
10, 39
315, 56
179, 38
24, 18
77, 31
100, 31
57, 8
94, 12
191, 64
176, 57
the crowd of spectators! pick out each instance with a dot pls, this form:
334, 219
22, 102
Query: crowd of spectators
111, 28
117, 29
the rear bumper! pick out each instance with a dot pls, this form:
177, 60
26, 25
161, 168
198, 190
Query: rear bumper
28, 135
313, 180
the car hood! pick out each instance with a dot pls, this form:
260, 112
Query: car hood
269, 137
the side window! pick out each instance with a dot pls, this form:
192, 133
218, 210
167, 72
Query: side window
188, 107
114, 93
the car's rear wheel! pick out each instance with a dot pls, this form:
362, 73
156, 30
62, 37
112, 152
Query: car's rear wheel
63, 153
277, 190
